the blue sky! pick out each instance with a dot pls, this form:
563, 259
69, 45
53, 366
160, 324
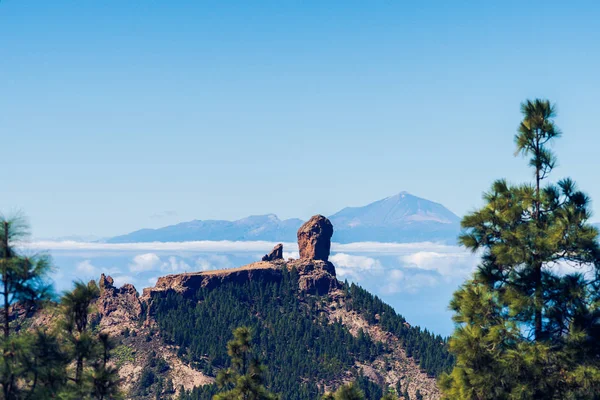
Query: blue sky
118, 115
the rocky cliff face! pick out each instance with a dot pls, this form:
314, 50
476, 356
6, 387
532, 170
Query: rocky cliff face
315, 277
121, 311
118, 307
316, 274
187, 284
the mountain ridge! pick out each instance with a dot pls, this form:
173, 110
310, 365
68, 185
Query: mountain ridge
402, 217
312, 332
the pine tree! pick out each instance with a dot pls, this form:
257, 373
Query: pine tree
104, 376
528, 322
346, 392
23, 287
94, 377
245, 379
35, 363
76, 307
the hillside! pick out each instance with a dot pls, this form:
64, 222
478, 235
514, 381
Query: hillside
312, 331
399, 218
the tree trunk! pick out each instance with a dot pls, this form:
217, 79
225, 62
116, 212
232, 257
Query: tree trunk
537, 265
539, 291
79, 370
6, 309
5, 258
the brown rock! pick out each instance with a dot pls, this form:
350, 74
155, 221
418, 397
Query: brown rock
275, 254
187, 284
117, 306
314, 238
315, 276
105, 281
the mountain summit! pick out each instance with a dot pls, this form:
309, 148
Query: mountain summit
399, 218
398, 210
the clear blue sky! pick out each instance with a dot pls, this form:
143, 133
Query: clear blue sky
117, 115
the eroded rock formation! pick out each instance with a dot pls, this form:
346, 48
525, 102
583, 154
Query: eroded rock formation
187, 284
316, 274
275, 254
120, 310
314, 238
117, 305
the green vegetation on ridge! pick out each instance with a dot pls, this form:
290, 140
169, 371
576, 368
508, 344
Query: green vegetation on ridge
293, 336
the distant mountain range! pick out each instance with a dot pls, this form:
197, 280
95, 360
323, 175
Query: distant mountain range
399, 218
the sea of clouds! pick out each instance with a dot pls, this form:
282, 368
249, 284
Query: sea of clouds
418, 279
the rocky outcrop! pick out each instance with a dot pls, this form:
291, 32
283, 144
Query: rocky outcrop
314, 238
120, 311
275, 254
117, 306
316, 275
188, 284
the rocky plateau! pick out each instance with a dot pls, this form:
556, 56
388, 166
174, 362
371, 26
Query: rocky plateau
123, 314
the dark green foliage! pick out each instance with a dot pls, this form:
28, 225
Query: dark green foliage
369, 389
205, 392
25, 361
346, 392
94, 377
76, 306
526, 329
153, 380
429, 350
147, 378
361, 389
245, 378
37, 364
299, 347
297, 344
104, 377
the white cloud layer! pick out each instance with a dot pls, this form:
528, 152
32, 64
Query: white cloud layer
243, 246
386, 267
456, 264
355, 267
144, 262
120, 280
173, 265
355, 262
86, 267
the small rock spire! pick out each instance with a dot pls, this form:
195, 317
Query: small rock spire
275, 254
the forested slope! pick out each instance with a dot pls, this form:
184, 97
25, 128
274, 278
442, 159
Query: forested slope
305, 351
